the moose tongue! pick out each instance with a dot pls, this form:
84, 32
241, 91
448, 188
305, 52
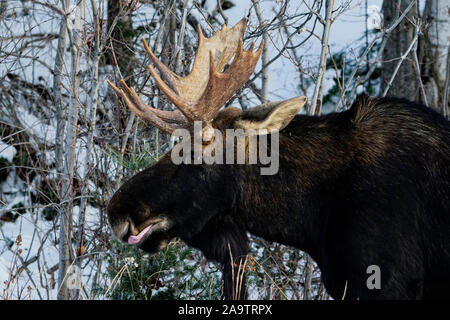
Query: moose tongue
136, 239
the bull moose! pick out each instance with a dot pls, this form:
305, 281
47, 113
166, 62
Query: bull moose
368, 186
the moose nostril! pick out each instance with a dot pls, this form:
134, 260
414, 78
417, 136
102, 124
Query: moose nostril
121, 230
127, 232
126, 236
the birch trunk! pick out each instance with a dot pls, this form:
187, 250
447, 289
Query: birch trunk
65, 231
59, 103
87, 165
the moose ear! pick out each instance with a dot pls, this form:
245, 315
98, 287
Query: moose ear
270, 117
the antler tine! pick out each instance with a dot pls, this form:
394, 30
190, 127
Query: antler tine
169, 75
186, 92
202, 92
166, 121
222, 86
175, 117
184, 106
174, 82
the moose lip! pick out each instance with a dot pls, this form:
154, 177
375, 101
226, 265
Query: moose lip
136, 239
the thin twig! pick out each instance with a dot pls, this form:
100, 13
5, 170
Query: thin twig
222, 14
318, 90
265, 53
397, 67
445, 110
418, 74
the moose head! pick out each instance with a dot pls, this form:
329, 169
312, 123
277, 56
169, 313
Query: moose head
366, 186
184, 200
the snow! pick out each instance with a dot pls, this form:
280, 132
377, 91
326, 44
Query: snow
7, 152
36, 126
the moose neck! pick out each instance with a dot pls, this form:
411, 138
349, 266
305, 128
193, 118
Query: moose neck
293, 207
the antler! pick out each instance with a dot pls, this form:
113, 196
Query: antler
201, 94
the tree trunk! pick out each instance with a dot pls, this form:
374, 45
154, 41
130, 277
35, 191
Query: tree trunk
120, 26
91, 119
65, 229
432, 54
434, 51
308, 277
397, 44
59, 103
